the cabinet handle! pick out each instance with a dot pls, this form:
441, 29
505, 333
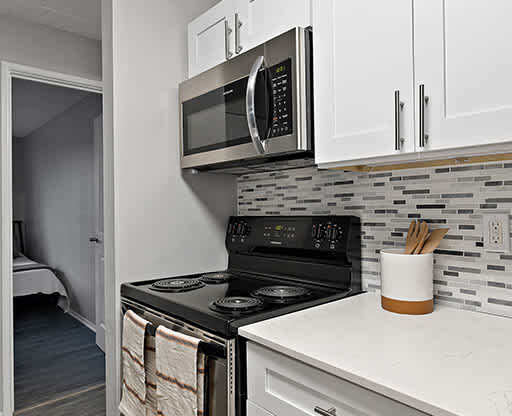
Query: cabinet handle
238, 25
399, 106
423, 102
323, 412
227, 32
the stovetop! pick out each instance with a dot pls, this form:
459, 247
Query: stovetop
223, 307
315, 259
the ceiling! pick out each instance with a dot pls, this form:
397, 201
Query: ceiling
35, 103
82, 17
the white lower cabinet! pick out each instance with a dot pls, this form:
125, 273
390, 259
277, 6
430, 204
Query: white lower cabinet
255, 410
281, 386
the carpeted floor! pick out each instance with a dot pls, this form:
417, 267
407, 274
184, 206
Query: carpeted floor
55, 357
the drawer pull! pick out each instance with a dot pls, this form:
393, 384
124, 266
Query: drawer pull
323, 412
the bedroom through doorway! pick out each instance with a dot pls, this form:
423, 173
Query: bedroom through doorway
57, 277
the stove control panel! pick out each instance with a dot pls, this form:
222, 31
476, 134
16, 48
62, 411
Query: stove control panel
328, 233
318, 233
238, 230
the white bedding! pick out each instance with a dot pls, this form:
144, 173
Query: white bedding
37, 280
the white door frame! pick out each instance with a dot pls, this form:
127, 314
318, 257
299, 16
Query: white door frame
8, 72
98, 253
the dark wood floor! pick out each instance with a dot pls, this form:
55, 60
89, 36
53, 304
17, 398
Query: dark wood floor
88, 403
55, 356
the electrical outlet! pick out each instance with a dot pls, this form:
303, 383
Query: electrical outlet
496, 229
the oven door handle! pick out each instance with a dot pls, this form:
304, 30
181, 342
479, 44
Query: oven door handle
250, 104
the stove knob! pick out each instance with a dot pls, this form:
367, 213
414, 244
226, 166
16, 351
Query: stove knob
319, 232
313, 231
239, 228
334, 234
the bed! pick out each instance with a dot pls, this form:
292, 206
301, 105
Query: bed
30, 277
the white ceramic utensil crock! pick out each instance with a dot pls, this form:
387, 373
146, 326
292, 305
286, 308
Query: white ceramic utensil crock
407, 282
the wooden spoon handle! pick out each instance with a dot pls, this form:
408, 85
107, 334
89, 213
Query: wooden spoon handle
421, 244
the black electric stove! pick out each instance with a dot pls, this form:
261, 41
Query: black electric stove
277, 265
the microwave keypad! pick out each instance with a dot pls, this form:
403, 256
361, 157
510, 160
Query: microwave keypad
282, 121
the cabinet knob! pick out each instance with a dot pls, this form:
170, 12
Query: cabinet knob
323, 412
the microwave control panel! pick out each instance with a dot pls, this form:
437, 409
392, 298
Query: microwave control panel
282, 119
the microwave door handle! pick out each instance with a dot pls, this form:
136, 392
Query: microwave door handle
250, 103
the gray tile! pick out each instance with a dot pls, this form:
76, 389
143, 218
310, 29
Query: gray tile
451, 196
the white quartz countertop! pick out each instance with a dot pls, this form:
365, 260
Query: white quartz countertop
450, 362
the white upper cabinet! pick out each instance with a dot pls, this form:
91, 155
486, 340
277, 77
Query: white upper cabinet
463, 57
232, 27
363, 70
261, 20
451, 61
210, 40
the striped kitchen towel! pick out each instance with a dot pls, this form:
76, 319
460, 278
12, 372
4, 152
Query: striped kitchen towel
133, 402
150, 364
180, 370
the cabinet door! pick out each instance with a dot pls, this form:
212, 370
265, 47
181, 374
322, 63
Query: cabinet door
210, 38
261, 20
283, 386
254, 410
463, 57
363, 53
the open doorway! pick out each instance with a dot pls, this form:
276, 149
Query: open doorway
57, 276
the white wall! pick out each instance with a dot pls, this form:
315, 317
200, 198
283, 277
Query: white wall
166, 223
18, 188
47, 48
58, 186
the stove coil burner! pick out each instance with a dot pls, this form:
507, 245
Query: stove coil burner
219, 277
176, 285
236, 304
281, 294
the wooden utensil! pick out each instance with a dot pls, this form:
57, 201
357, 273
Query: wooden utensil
421, 243
412, 235
434, 240
421, 235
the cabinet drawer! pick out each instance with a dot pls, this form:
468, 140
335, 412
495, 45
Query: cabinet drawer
284, 386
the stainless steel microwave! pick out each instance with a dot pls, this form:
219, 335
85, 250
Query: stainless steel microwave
253, 109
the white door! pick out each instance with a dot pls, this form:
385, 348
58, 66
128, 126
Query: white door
261, 20
463, 57
97, 236
210, 38
363, 54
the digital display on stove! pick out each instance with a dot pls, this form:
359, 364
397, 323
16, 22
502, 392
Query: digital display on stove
279, 232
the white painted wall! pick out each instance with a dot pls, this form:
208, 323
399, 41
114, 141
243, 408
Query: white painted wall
47, 48
58, 161
18, 188
166, 222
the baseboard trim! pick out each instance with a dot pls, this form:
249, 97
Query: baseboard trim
82, 320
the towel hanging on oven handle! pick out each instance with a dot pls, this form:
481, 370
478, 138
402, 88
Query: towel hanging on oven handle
207, 348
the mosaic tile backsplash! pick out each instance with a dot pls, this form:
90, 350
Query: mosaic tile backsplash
466, 276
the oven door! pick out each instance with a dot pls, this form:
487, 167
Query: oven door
218, 119
221, 399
